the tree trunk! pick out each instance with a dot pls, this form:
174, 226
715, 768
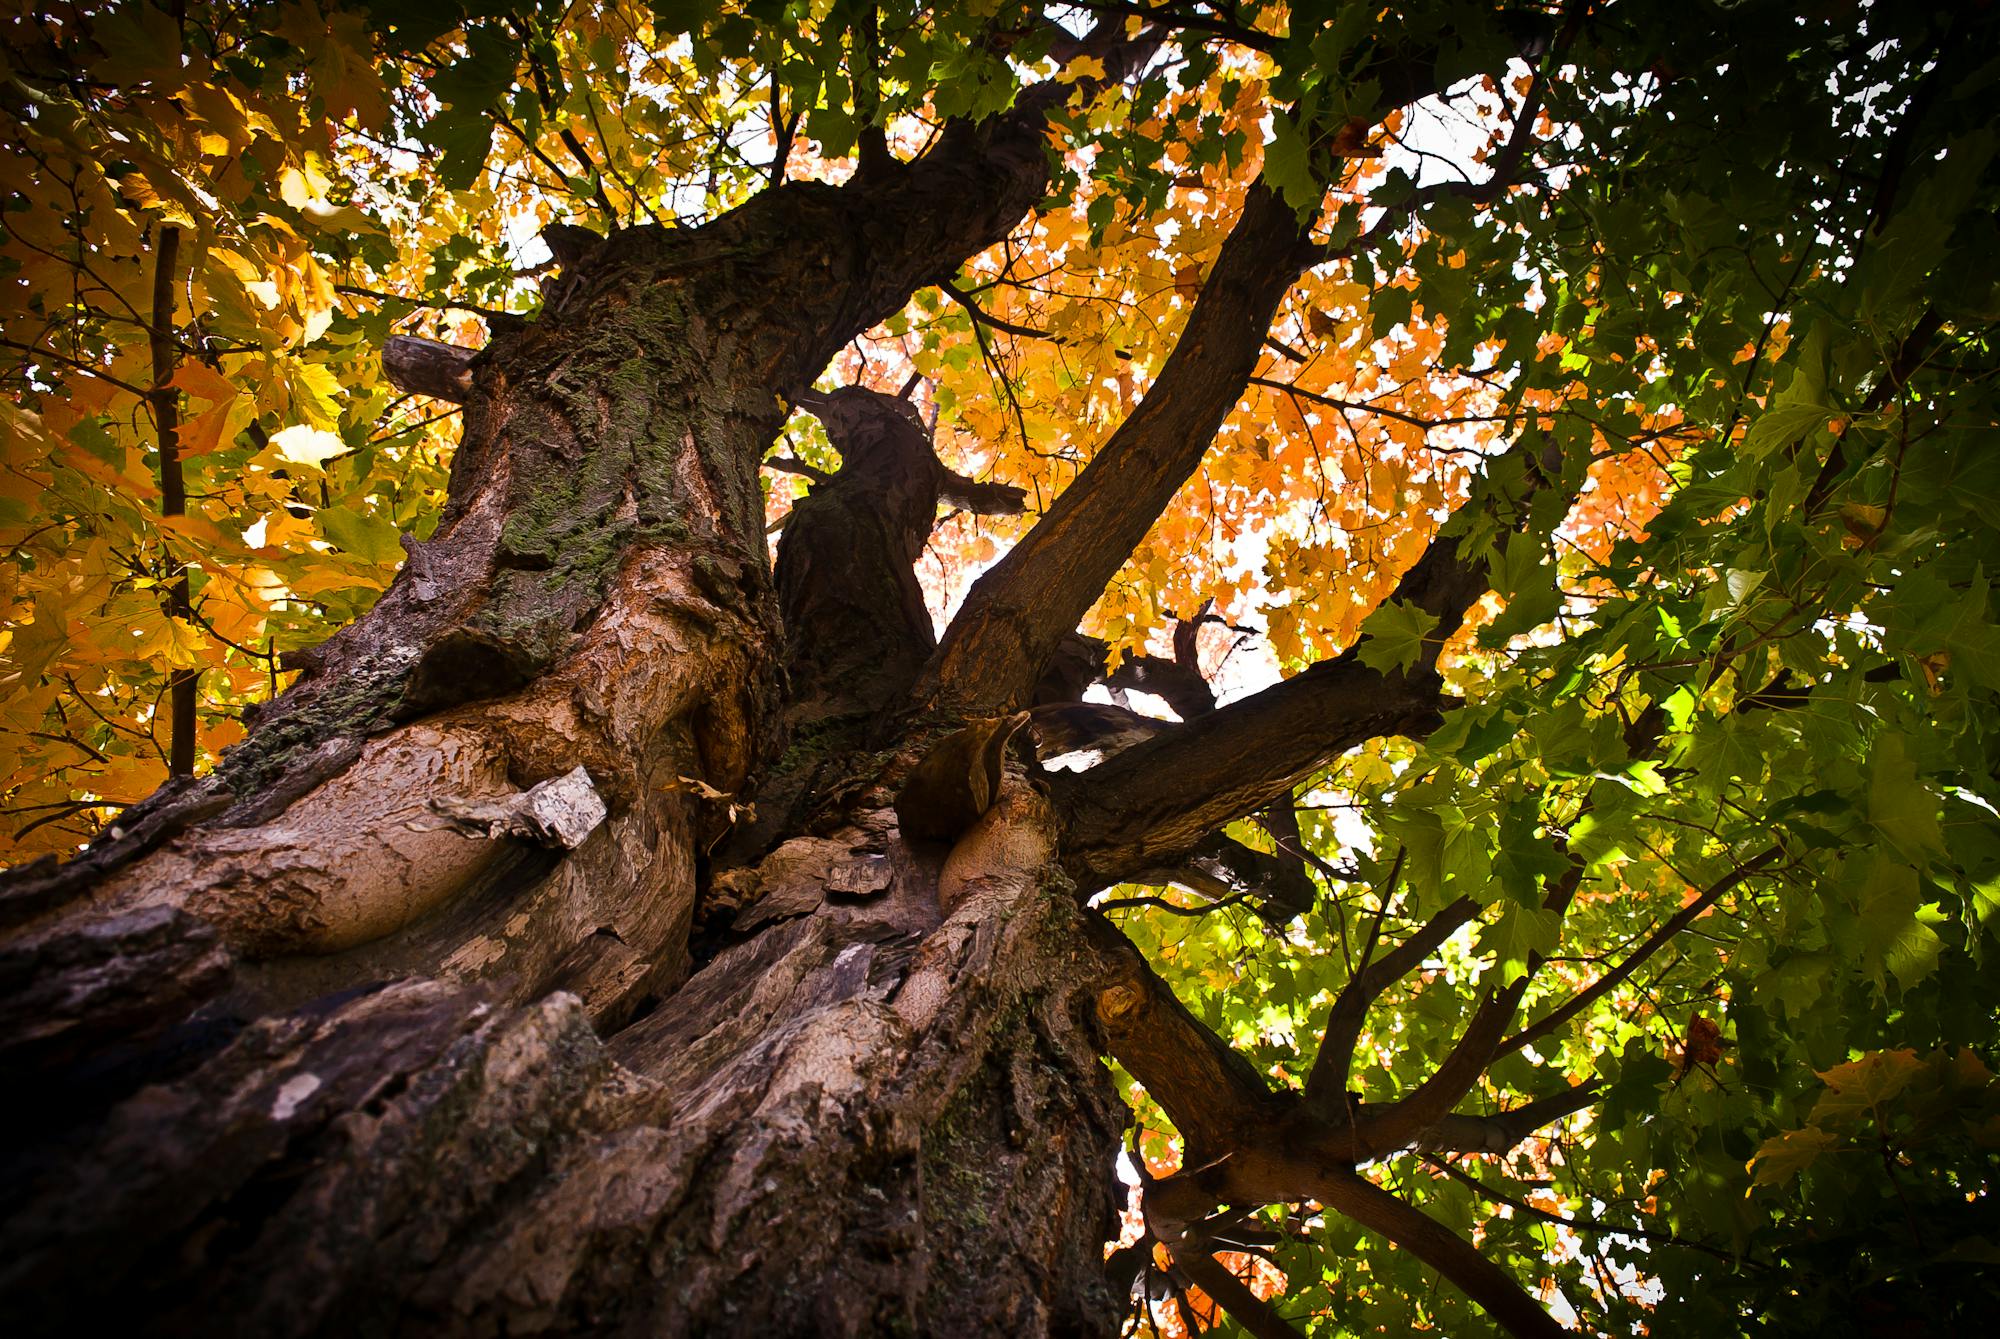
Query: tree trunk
402, 1019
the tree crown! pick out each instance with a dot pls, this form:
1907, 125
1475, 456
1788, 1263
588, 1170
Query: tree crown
1559, 425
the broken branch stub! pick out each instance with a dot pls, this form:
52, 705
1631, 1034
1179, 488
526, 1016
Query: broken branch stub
419, 366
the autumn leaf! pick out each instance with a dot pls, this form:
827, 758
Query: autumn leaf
1784, 1156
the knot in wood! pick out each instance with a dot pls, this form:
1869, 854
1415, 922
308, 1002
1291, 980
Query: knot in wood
1117, 1004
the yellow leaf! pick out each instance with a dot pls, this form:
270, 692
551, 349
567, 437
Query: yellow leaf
313, 392
217, 428
1861, 1087
195, 527
1863, 521
293, 188
179, 645
1088, 67
1785, 1156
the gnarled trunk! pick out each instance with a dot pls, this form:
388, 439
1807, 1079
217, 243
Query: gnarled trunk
395, 1022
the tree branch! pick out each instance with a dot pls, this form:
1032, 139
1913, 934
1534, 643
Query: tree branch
165, 400
436, 304
864, 62
1399, 1123
1019, 611
1679, 921
1150, 803
419, 366
1370, 407
980, 316
1326, 1082
1153, 802
1462, 1132
783, 128
1404, 1121
1528, 1210
1230, 1293
1168, 17
984, 499
1222, 867
1214, 1096
1079, 662
791, 465
1439, 1247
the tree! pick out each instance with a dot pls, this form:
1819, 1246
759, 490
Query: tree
1579, 908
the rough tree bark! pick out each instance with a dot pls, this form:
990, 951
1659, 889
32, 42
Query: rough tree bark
471, 995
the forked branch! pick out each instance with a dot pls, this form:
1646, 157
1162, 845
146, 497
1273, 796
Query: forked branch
1327, 1081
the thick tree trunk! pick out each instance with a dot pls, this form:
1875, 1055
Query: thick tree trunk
396, 1022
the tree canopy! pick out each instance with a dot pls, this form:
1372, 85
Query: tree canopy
1545, 440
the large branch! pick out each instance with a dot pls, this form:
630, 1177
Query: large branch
1433, 1099
1149, 804
1326, 1083
1079, 661
419, 366
1226, 871
1247, 1145
1447, 1085
983, 498
1019, 611
1152, 802
1464, 1132
1231, 1293
471, 617
1214, 1096
1015, 616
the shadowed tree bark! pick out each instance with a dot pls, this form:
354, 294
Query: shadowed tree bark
471, 995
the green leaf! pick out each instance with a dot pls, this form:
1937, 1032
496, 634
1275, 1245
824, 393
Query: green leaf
469, 88
361, 535
1516, 935
1288, 164
1524, 575
1392, 638
1901, 806
1801, 407
1915, 241
1797, 983
681, 16
1971, 637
